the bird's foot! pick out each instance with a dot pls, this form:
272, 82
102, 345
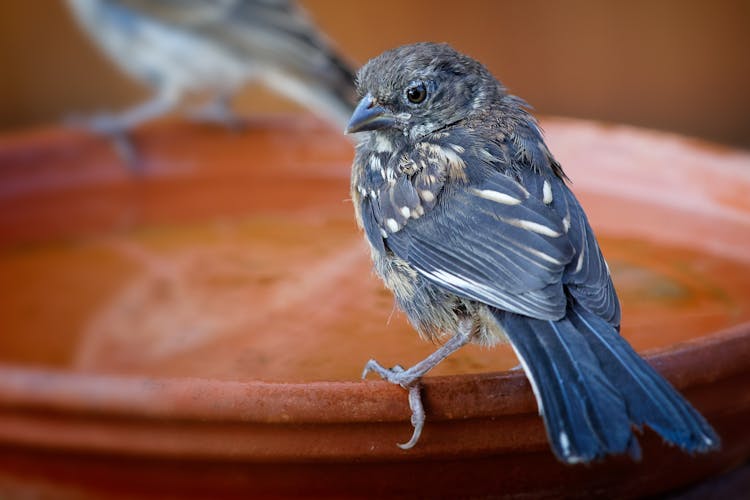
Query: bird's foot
396, 375
118, 126
113, 128
410, 381
218, 112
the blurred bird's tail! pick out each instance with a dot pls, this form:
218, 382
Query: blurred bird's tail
592, 388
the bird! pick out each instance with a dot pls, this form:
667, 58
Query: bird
215, 47
471, 224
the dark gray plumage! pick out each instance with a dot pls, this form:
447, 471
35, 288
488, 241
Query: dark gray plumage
215, 47
473, 228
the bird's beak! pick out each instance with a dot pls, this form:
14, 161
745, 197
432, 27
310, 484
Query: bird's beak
369, 116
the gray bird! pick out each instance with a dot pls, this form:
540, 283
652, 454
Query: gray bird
472, 226
215, 47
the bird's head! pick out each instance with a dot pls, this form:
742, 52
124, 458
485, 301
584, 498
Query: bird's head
417, 89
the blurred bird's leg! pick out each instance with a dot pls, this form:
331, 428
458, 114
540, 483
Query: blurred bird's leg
118, 126
218, 111
410, 379
122, 123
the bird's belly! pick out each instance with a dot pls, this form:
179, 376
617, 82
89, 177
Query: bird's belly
168, 57
433, 311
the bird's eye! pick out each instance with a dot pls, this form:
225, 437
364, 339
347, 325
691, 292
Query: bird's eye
416, 93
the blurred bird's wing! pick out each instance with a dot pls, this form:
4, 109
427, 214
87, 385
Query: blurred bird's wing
483, 237
276, 35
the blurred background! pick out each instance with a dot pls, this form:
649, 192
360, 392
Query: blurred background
213, 266
674, 65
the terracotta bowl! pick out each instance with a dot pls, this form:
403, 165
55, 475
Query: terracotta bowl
197, 327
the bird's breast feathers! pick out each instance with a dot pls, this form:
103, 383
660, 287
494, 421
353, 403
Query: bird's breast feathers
403, 185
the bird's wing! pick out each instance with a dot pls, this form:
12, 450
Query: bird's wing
587, 276
474, 231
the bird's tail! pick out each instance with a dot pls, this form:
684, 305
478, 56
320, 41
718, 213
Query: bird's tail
592, 388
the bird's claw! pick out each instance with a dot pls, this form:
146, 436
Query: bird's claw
102, 124
218, 114
417, 416
409, 381
125, 149
396, 375
112, 127
108, 125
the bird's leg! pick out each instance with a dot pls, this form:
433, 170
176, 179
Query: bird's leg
410, 379
219, 111
109, 124
118, 126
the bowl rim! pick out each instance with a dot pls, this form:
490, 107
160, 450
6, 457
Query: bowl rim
488, 394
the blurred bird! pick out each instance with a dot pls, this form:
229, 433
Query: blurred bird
215, 47
472, 226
